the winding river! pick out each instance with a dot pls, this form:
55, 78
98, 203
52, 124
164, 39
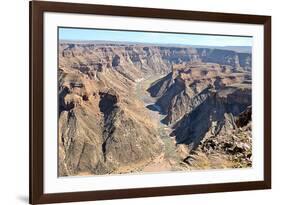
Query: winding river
169, 159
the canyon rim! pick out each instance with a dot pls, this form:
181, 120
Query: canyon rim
140, 102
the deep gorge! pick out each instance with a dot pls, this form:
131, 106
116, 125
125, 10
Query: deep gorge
106, 127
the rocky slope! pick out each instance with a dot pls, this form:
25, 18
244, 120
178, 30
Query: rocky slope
189, 85
105, 128
99, 124
228, 148
206, 103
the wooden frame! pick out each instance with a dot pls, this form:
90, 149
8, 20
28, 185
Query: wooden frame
37, 9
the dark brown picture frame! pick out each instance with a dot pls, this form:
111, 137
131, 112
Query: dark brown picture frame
37, 9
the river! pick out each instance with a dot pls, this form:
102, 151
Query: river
169, 159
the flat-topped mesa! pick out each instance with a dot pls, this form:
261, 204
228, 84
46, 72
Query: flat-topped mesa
137, 60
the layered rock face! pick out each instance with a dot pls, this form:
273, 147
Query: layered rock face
105, 128
102, 125
135, 61
186, 87
216, 112
206, 103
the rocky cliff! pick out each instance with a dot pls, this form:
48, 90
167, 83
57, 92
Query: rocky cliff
99, 124
136, 60
205, 104
187, 87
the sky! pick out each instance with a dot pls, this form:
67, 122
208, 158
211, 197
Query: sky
152, 37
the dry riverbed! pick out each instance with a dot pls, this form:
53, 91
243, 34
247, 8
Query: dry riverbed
171, 158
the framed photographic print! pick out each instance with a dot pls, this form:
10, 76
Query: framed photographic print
138, 102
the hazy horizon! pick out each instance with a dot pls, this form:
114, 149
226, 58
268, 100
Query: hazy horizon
78, 34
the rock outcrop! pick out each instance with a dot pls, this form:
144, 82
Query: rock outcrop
216, 113
208, 107
99, 127
185, 88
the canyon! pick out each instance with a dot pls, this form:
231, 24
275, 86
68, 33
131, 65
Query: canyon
127, 108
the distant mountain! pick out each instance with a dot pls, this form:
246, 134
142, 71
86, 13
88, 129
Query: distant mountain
239, 49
